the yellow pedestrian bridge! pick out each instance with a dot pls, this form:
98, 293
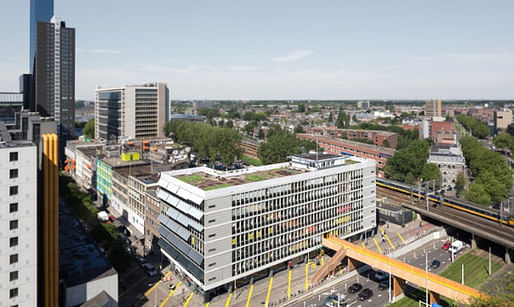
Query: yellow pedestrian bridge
400, 272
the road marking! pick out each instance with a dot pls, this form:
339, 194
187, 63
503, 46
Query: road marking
289, 285
188, 299
363, 245
249, 295
207, 304
401, 238
228, 299
306, 276
322, 261
378, 246
266, 303
387, 238
170, 294
133, 286
156, 284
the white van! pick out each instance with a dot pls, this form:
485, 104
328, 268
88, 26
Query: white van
456, 247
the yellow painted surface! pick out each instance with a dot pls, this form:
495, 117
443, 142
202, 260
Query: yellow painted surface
188, 299
249, 296
207, 304
289, 285
306, 276
228, 299
170, 294
390, 243
322, 260
363, 244
378, 246
266, 303
156, 284
401, 238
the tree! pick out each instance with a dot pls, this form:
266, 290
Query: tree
260, 134
343, 119
89, 129
499, 290
460, 183
504, 141
301, 107
229, 124
299, 129
477, 128
330, 117
477, 194
385, 143
354, 118
407, 163
431, 172
221, 123
281, 144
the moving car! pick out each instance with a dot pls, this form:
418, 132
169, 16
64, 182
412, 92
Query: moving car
365, 294
435, 264
356, 287
446, 245
334, 301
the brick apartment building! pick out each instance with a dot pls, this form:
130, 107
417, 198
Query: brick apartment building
376, 136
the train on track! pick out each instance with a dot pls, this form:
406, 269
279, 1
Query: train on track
491, 214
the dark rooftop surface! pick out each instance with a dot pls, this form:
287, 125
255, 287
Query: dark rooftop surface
80, 260
318, 157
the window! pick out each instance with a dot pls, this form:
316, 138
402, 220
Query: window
13, 224
13, 173
13, 190
13, 156
13, 207
13, 276
13, 293
13, 241
13, 259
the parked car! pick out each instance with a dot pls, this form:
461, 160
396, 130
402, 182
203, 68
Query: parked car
334, 301
446, 245
435, 264
456, 247
383, 285
365, 294
356, 287
150, 270
140, 260
381, 275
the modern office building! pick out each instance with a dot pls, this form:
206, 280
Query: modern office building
54, 76
339, 146
18, 224
433, 108
219, 228
40, 11
132, 111
10, 104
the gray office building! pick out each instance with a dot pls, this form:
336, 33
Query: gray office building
55, 76
222, 227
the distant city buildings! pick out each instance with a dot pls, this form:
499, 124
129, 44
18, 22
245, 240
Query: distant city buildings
219, 227
132, 111
377, 137
433, 108
502, 119
10, 104
363, 104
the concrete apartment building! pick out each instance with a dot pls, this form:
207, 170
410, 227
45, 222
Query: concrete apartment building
131, 111
339, 146
221, 227
433, 108
378, 137
450, 160
502, 119
18, 224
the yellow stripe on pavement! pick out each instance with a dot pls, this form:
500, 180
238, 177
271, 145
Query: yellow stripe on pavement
381, 229
322, 261
228, 299
207, 304
289, 285
306, 276
249, 296
170, 294
188, 299
401, 238
269, 291
390, 243
378, 246
363, 244
156, 284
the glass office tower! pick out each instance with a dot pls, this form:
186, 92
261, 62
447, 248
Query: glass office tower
40, 10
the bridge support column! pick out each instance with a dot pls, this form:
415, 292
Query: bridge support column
434, 298
507, 256
398, 285
473, 241
352, 264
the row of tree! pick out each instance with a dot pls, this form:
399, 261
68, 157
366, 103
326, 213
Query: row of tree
281, 144
217, 143
504, 141
492, 176
477, 128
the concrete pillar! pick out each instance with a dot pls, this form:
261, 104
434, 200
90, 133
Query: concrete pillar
507, 256
473, 241
352, 264
398, 285
434, 298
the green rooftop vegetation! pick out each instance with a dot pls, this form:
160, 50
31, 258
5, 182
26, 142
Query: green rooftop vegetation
255, 177
219, 186
349, 161
191, 178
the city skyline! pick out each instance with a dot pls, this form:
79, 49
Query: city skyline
233, 50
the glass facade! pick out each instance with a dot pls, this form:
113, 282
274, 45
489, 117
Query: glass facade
40, 10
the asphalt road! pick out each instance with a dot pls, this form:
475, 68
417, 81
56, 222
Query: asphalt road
381, 297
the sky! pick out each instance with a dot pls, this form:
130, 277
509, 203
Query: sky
297, 49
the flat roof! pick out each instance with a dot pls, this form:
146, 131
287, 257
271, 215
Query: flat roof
80, 259
314, 137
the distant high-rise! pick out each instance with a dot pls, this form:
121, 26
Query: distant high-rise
433, 108
40, 11
135, 111
54, 76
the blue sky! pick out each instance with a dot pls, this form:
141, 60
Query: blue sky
281, 49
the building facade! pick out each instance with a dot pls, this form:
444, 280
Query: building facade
433, 108
10, 104
40, 11
18, 224
338, 146
502, 119
451, 162
221, 227
132, 111
377, 137
54, 76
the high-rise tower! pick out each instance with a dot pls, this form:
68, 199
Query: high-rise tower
40, 11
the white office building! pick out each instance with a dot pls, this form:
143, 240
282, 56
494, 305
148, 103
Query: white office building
221, 227
18, 222
131, 111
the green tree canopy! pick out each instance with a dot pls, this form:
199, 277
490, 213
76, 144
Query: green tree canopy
281, 144
460, 183
477, 128
299, 129
89, 129
431, 172
504, 141
343, 119
407, 164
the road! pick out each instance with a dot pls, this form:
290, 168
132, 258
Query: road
381, 297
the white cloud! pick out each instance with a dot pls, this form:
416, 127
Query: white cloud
293, 56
